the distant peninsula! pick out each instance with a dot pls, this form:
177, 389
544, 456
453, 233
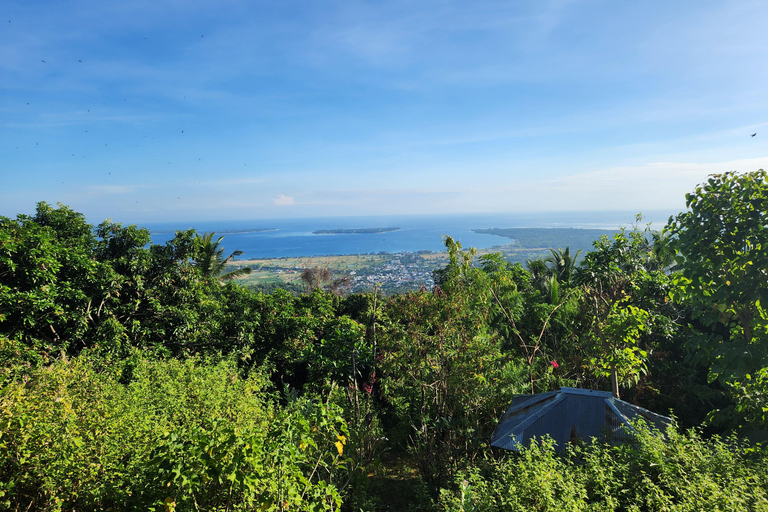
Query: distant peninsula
360, 231
531, 238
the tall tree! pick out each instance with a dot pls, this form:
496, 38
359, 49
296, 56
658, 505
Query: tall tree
722, 252
624, 288
65, 286
49, 279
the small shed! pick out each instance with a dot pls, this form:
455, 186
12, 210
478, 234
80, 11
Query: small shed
568, 415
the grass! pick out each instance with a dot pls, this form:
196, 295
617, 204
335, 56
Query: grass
288, 270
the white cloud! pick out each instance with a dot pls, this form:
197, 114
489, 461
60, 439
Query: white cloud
653, 186
283, 200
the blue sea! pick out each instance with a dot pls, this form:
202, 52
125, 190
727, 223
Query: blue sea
276, 238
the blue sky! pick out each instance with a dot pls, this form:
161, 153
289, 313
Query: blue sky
183, 109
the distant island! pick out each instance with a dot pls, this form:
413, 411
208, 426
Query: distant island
550, 237
360, 231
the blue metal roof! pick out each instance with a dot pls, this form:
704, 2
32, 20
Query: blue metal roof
567, 415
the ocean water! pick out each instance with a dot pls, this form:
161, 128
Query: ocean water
276, 238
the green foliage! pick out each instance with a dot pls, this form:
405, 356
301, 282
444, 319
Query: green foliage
459, 263
343, 356
72, 437
722, 244
626, 297
289, 465
132, 378
270, 287
538, 480
617, 336
721, 253
751, 395
676, 472
47, 278
534, 324
559, 265
289, 327
534, 316
563, 264
65, 286
344, 367
191, 433
446, 381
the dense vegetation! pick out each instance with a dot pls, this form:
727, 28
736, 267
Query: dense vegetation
137, 376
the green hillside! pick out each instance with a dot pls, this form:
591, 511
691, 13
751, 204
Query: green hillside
138, 376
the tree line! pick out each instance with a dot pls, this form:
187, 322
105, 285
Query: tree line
138, 375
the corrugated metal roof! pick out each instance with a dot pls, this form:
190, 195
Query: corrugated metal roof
568, 415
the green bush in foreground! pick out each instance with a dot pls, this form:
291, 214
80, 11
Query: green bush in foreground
187, 434
674, 472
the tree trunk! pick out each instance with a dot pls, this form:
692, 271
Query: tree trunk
614, 381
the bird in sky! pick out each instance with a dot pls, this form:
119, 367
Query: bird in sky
753, 134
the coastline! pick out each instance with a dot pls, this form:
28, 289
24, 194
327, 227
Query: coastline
281, 238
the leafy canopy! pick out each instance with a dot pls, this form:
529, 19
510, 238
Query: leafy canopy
722, 251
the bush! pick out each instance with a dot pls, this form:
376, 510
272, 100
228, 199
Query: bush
191, 433
445, 383
675, 472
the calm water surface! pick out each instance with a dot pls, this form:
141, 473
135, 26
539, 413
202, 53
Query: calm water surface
294, 237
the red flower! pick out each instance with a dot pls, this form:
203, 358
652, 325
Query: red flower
554, 364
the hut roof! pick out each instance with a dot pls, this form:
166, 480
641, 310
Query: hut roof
567, 415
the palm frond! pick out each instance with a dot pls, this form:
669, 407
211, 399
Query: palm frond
210, 260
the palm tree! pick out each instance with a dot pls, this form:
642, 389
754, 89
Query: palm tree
211, 261
563, 264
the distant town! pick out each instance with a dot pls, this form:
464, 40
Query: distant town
405, 271
390, 272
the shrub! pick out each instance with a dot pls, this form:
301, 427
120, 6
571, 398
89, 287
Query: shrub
192, 433
675, 472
